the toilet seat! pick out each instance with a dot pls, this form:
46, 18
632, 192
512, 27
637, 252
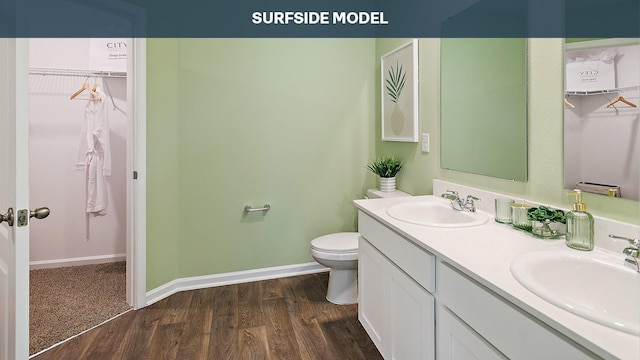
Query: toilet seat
337, 243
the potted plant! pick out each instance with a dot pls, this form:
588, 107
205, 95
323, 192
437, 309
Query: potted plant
386, 167
547, 222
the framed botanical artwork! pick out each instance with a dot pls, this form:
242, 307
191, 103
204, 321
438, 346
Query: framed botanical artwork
399, 78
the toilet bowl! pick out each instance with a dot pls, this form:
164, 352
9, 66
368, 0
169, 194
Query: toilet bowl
339, 252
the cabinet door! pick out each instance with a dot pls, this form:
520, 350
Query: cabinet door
412, 318
373, 297
456, 341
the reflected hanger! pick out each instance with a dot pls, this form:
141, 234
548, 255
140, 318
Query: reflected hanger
92, 92
620, 98
569, 105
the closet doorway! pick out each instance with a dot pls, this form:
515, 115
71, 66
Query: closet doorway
74, 251
70, 236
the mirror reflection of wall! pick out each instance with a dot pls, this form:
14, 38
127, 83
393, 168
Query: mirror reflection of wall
601, 117
483, 114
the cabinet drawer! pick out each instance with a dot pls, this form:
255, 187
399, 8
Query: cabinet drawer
514, 332
416, 262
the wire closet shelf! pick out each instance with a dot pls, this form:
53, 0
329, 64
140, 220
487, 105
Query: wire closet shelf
599, 92
78, 73
85, 74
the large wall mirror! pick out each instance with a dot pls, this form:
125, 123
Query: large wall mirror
602, 117
483, 120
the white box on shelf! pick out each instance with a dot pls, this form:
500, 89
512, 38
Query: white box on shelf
590, 75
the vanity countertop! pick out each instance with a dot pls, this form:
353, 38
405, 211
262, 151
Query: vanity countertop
485, 252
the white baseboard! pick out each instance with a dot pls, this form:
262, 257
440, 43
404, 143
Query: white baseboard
85, 260
206, 281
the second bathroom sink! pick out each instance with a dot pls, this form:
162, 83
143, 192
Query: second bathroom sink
590, 285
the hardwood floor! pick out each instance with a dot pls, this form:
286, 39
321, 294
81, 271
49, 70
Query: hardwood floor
286, 318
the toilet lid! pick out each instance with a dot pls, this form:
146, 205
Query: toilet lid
339, 242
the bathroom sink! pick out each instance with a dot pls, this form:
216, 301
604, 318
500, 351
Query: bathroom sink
433, 214
594, 285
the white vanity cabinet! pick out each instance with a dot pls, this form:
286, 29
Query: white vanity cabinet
394, 308
407, 318
492, 319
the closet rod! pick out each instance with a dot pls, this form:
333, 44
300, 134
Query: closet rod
80, 73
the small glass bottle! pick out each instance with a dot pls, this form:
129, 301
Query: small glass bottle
579, 225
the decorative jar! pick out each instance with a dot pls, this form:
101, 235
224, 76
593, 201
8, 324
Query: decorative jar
519, 217
548, 229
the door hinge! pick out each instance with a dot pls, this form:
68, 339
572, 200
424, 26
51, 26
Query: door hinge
135, 175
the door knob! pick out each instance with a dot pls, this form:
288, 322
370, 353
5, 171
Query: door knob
40, 213
25, 215
8, 217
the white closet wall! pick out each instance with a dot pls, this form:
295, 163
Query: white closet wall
55, 123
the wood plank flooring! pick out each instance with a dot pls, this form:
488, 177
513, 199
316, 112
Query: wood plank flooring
287, 318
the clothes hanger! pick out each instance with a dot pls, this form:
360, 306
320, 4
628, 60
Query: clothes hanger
569, 105
85, 86
95, 84
620, 98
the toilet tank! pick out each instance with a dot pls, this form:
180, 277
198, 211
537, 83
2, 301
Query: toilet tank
376, 194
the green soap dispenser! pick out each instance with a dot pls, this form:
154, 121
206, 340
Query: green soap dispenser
579, 225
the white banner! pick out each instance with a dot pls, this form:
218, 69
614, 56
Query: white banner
590, 76
108, 54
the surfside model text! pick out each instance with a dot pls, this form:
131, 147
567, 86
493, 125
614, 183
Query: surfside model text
318, 18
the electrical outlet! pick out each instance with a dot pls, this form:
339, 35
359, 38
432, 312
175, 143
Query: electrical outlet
425, 142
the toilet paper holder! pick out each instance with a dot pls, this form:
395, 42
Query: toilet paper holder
250, 209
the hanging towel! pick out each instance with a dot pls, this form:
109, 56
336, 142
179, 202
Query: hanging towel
94, 156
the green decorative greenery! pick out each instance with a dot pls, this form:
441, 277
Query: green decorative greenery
543, 213
385, 166
395, 82
525, 227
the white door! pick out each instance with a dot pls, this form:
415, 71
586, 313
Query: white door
456, 341
412, 318
14, 195
373, 295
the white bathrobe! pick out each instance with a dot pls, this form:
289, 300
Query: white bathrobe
94, 154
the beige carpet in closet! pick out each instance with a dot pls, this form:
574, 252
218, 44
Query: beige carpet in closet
66, 301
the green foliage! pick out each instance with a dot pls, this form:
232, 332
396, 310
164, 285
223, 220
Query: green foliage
385, 166
543, 213
395, 82
524, 227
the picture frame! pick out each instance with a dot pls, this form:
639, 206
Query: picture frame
399, 93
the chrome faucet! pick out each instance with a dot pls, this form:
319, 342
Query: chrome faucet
632, 251
459, 204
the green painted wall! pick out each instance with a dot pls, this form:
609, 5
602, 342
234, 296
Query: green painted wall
496, 81
235, 122
162, 162
293, 123
545, 139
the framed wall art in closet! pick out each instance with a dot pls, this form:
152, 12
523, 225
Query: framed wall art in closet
399, 79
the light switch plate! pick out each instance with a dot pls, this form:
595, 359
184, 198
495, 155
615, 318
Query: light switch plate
425, 142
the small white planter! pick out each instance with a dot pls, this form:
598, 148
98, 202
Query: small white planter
387, 184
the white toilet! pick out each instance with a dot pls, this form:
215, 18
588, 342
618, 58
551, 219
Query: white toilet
339, 252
